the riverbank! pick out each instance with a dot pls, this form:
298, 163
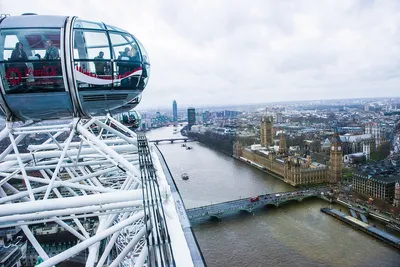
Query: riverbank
366, 228
215, 148
219, 142
377, 215
250, 163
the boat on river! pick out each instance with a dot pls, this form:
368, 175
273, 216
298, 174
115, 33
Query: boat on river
185, 176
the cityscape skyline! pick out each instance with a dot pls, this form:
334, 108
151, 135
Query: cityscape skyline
264, 104
290, 50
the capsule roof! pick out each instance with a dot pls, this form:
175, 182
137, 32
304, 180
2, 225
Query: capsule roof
33, 21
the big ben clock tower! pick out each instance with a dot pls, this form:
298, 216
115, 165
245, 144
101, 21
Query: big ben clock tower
336, 159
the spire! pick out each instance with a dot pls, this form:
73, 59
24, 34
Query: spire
282, 142
335, 137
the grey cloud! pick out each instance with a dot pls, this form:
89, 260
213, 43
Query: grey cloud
232, 52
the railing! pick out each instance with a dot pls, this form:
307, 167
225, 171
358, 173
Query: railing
159, 243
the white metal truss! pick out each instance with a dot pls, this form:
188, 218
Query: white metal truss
86, 169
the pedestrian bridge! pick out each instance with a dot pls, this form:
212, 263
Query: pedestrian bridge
251, 203
171, 140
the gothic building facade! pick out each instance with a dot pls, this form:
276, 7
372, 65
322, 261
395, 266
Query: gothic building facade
292, 169
266, 131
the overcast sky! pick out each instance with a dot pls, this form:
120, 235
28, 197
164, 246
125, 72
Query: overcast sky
237, 52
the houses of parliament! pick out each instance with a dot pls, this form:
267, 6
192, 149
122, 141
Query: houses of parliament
291, 168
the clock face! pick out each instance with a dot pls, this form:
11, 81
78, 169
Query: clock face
339, 148
333, 148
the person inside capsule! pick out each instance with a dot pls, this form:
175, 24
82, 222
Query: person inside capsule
100, 65
124, 55
51, 51
130, 55
133, 54
18, 53
124, 67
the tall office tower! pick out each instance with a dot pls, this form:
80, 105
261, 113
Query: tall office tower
266, 131
191, 116
336, 159
279, 117
174, 111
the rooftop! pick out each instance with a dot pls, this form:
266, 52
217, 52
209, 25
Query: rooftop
381, 178
6, 252
380, 171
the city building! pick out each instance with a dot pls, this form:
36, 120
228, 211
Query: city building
335, 170
354, 158
373, 128
174, 111
206, 116
353, 144
377, 179
357, 143
231, 113
266, 131
10, 256
145, 125
377, 186
199, 118
191, 114
292, 169
396, 201
279, 117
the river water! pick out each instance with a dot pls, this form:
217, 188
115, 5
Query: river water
295, 234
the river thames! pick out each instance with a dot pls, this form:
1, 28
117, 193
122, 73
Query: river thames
295, 234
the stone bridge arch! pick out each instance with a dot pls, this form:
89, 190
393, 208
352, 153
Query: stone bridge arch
216, 217
248, 210
306, 197
271, 204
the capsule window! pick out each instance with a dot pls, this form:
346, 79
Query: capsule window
92, 59
30, 60
79, 23
89, 45
113, 28
128, 64
144, 53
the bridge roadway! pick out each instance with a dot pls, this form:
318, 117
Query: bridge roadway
171, 140
250, 203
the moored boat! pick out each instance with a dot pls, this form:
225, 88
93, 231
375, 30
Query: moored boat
185, 176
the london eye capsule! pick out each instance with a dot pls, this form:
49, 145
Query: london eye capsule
54, 67
130, 119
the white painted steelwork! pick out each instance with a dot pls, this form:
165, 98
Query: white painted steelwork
89, 168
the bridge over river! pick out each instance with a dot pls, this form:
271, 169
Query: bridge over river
251, 203
171, 140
